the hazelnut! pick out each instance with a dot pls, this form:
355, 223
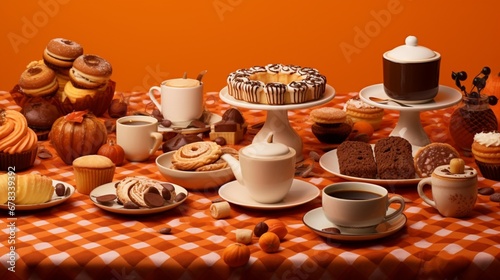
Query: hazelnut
260, 229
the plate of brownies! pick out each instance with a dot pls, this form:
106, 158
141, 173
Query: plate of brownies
388, 162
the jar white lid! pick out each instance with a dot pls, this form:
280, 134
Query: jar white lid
411, 51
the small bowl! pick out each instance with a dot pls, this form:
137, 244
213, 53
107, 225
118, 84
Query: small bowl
192, 180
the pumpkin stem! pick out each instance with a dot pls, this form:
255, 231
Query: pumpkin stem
76, 116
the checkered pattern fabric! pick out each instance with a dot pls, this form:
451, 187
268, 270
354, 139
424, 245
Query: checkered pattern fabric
78, 240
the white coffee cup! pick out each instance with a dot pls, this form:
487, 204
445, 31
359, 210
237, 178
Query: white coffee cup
138, 136
181, 100
358, 207
453, 195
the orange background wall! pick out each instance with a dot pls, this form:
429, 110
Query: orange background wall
150, 41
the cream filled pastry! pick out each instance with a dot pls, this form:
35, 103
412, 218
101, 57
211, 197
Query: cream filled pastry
90, 71
73, 93
276, 84
38, 80
60, 53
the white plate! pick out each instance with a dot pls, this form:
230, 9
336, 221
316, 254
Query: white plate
330, 162
56, 200
109, 188
224, 95
445, 98
300, 193
316, 220
191, 130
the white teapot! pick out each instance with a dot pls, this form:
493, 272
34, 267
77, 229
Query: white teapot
266, 169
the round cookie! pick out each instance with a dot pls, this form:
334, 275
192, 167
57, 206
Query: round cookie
60, 53
330, 125
90, 72
357, 110
38, 80
428, 157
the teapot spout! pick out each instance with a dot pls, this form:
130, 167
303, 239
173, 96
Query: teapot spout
235, 166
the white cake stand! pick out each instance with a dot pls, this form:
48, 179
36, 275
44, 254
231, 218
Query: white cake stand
277, 118
409, 125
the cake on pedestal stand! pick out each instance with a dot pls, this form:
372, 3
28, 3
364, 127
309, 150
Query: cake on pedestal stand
277, 120
409, 125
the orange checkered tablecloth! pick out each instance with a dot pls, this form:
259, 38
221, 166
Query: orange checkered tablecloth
78, 240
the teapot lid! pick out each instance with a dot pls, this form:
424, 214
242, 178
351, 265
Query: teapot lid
264, 149
411, 51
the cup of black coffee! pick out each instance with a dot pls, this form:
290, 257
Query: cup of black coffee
358, 207
411, 72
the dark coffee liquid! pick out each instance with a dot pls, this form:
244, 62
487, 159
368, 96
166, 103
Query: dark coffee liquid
136, 123
353, 195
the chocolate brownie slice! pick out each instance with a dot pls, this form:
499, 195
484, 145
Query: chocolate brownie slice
356, 159
394, 158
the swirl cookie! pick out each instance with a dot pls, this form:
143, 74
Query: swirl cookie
195, 155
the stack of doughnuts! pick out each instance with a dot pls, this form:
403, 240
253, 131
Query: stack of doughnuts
68, 79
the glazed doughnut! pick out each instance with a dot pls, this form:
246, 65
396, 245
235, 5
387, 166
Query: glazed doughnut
60, 53
90, 71
197, 154
38, 80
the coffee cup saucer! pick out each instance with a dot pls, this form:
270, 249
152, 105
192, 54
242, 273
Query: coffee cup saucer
185, 128
317, 221
300, 193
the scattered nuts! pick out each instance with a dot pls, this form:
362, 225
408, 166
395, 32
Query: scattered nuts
130, 205
495, 197
60, 189
331, 230
221, 141
260, 229
106, 198
165, 230
486, 191
166, 123
180, 197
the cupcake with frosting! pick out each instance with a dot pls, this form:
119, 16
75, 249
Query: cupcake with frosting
18, 142
486, 151
357, 110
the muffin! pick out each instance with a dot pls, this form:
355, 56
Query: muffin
40, 114
357, 110
18, 142
330, 125
89, 87
92, 171
486, 152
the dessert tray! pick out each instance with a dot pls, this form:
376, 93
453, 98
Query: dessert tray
109, 188
316, 221
409, 125
213, 118
277, 118
330, 162
56, 200
300, 193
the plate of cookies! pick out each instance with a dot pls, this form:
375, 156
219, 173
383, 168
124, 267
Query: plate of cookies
388, 162
197, 166
49, 192
138, 196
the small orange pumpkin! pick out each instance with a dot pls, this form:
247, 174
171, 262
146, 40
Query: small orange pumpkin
278, 227
493, 88
236, 254
269, 242
112, 151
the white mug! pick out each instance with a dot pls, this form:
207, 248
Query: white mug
138, 136
181, 100
453, 195
357, 206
